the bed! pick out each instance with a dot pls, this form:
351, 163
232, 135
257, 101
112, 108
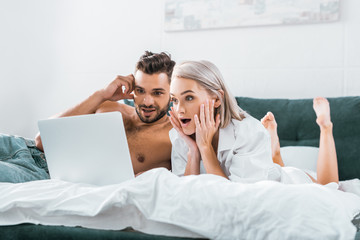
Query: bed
158, 204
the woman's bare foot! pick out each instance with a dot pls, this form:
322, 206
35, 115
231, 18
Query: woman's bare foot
327, 168
322, 109
268, 121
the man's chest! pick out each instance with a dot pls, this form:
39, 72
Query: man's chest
148, 142
149, 147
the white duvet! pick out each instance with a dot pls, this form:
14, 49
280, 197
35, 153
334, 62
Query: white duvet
158, 202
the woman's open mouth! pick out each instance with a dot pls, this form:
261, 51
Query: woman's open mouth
185, 121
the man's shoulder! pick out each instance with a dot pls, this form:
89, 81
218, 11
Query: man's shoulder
167, 126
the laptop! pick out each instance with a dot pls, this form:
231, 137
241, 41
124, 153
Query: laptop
90, 149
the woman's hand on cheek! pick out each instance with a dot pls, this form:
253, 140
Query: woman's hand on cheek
177, 126
206, 125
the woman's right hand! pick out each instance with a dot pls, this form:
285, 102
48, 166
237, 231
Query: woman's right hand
189, 141
193, 162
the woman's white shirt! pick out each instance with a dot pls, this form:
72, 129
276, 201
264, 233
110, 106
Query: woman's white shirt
244, 152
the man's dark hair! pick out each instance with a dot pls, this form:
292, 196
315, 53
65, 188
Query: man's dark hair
151, 63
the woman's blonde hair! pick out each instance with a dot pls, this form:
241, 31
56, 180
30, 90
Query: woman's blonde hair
209, 77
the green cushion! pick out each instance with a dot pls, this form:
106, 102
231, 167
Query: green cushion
297, 126
39, 232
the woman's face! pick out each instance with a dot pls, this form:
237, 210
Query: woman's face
187, 96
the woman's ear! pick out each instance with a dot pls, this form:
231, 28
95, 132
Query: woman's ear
218, 100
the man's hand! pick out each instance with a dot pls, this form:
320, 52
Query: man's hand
120, 88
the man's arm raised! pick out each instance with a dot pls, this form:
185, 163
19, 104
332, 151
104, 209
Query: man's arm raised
120, 88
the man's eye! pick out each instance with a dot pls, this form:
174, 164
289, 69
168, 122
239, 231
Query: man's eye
139, 91
174, 100
189, 98
158, 93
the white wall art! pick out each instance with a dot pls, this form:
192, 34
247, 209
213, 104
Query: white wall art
183, 15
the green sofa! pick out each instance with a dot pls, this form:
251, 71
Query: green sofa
296, 127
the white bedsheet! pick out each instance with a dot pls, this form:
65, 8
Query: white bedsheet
158, 202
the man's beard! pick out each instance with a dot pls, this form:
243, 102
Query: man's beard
160, 112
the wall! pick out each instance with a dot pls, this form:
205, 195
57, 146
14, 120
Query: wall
297, 61
55, 53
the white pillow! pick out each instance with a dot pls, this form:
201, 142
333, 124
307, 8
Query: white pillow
300, 157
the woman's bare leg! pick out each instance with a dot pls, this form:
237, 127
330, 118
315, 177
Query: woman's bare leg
327, 168
268, 121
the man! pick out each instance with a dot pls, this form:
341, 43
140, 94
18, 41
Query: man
149, 87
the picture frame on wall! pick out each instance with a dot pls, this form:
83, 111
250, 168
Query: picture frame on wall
184, 15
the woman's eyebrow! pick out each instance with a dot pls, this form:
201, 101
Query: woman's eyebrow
184, 92
187, 91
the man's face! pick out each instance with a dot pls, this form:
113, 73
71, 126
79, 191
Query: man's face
151, 96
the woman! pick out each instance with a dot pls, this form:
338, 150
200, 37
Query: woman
327, 168
211, 133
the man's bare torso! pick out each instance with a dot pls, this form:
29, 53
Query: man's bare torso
149, 144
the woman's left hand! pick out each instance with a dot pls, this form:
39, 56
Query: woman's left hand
206, 125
